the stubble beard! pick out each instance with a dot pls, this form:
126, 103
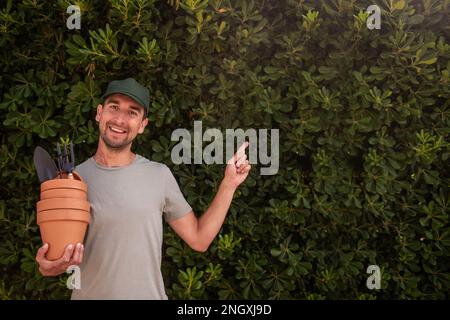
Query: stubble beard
115, 145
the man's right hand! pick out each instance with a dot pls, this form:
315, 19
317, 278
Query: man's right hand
72, 256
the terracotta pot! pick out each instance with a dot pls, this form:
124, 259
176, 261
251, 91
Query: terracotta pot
63, 213
76, 183
62, 203
60, 227
64, 187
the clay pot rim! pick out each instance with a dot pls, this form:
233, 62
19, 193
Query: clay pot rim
62, 184
63, 203
63, 215
76, 183
68, 190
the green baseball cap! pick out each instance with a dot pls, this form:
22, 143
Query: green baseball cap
131, 88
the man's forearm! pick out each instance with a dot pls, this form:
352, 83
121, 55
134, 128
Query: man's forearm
198, 233
212, 219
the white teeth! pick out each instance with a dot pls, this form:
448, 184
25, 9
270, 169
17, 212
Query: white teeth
116, 130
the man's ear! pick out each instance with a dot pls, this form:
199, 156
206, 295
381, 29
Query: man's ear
99, 112
143, 125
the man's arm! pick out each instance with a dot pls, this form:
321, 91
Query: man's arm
198, 233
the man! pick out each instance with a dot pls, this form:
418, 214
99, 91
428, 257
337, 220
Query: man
129, 196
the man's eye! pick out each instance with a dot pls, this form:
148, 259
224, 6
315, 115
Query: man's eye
113, 106
133, 113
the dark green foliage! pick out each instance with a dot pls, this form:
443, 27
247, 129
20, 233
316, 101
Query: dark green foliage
364, 127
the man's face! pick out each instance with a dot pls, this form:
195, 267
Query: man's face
120, 119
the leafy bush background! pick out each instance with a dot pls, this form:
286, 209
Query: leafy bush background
363, 118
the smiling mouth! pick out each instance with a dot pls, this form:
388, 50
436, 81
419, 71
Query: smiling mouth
116, 130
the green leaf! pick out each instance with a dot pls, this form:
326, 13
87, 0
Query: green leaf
399, 5
275, 252
416, 19
429, 61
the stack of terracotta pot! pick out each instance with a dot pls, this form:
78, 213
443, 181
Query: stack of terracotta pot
63, 213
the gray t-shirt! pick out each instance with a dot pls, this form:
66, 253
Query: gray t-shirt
122, 256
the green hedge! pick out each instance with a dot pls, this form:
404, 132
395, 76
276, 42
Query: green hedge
364, 127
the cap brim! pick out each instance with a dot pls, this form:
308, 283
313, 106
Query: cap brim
129, 94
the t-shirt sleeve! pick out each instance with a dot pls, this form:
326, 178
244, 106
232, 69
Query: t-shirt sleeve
175, 205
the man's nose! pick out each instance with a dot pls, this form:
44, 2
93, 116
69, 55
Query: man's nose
121, 118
